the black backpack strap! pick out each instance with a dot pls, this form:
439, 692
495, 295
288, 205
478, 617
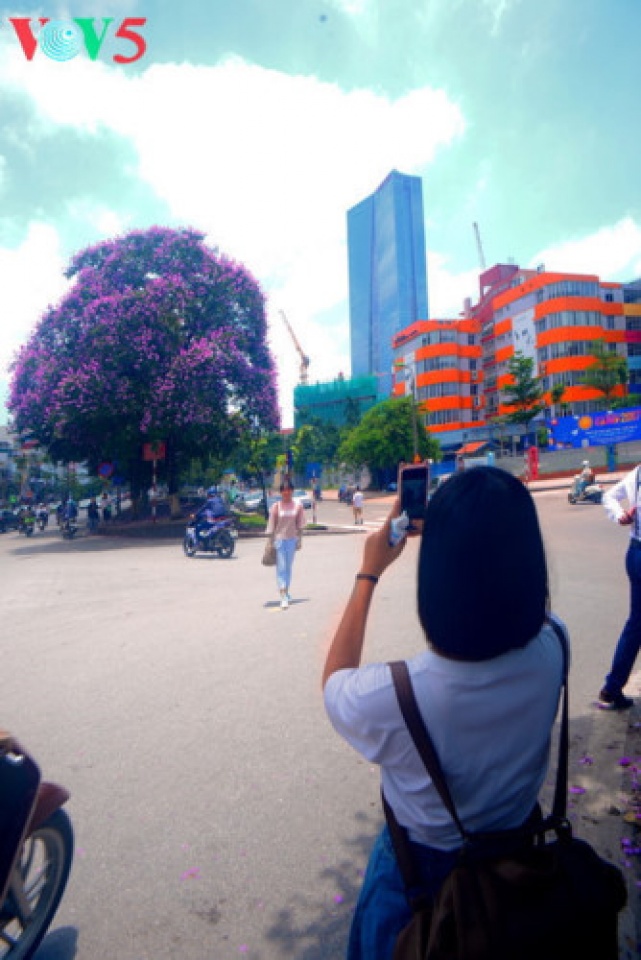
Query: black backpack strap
422, 740
559, 805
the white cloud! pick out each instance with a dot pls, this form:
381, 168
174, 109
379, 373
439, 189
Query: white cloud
447, 291
265, 163
612, 253
31, 278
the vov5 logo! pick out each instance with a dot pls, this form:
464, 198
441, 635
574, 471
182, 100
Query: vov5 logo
64, 39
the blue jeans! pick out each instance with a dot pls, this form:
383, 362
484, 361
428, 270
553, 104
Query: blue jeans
628, 646
285, 552
382, 909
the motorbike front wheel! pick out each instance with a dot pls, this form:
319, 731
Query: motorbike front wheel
225, 545
36, 887
189, 546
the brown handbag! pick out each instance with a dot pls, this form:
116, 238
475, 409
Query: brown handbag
525, 894
269, 555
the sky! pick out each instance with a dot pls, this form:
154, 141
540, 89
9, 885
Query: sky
261, 122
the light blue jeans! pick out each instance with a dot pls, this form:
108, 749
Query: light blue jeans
285, 551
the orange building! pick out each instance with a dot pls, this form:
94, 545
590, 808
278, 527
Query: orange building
440, 360
458, 369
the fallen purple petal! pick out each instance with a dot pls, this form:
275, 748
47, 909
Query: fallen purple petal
577, 789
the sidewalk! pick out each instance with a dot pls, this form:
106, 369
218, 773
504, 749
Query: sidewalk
604, 799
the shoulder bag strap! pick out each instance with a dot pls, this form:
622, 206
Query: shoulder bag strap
422, 740
559, 805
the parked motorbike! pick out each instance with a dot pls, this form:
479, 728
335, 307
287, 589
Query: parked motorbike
592, 493
36, 850
68, 528
220, 538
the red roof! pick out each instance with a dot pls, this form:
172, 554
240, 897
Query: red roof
468, 448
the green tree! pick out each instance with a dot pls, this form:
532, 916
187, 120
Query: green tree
525, 394
607, 372
385, 436
556, 396
315, 442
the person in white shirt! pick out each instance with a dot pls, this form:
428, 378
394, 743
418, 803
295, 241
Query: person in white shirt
586, 477
626, 490
487, 685
357, 505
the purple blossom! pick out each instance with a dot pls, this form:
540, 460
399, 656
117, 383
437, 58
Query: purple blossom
160, 336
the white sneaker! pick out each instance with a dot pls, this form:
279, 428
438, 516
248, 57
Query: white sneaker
284, 603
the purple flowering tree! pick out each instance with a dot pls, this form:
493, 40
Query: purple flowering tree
161, 338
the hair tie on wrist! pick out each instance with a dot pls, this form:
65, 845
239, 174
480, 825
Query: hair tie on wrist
367, 576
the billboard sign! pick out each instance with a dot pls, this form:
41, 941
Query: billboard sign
595, 429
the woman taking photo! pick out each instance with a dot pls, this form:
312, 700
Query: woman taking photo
285, 529
487, 686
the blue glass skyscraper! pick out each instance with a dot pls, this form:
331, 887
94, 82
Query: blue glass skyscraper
387, 272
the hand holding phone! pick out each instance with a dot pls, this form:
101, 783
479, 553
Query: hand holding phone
414, 484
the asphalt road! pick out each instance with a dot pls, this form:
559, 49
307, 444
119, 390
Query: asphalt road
217, 814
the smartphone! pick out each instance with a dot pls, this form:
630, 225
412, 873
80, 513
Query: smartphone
415, 481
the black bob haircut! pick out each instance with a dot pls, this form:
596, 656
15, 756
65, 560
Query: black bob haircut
482, 575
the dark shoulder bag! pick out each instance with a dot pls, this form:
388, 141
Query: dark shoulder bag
533, 893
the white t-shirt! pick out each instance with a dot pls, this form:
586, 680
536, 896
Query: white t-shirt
490, 723
357, 499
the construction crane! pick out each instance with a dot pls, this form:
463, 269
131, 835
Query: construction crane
479, 246
304, 359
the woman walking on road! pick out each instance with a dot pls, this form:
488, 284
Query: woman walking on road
285, 529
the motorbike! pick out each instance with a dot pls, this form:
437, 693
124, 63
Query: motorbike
592, 493
36, 851
27, 524
68, 528
42, 519
220, 538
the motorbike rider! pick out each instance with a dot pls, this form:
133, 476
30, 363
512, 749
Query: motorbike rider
70, 511
212, 510
28, 517
93, 515
586, 477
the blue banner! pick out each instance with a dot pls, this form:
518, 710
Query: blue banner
595, 429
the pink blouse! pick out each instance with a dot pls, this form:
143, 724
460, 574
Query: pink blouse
286, 522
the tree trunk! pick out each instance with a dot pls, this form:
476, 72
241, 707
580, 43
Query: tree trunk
171, 467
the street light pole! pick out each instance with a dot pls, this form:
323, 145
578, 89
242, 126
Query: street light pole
403, 366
